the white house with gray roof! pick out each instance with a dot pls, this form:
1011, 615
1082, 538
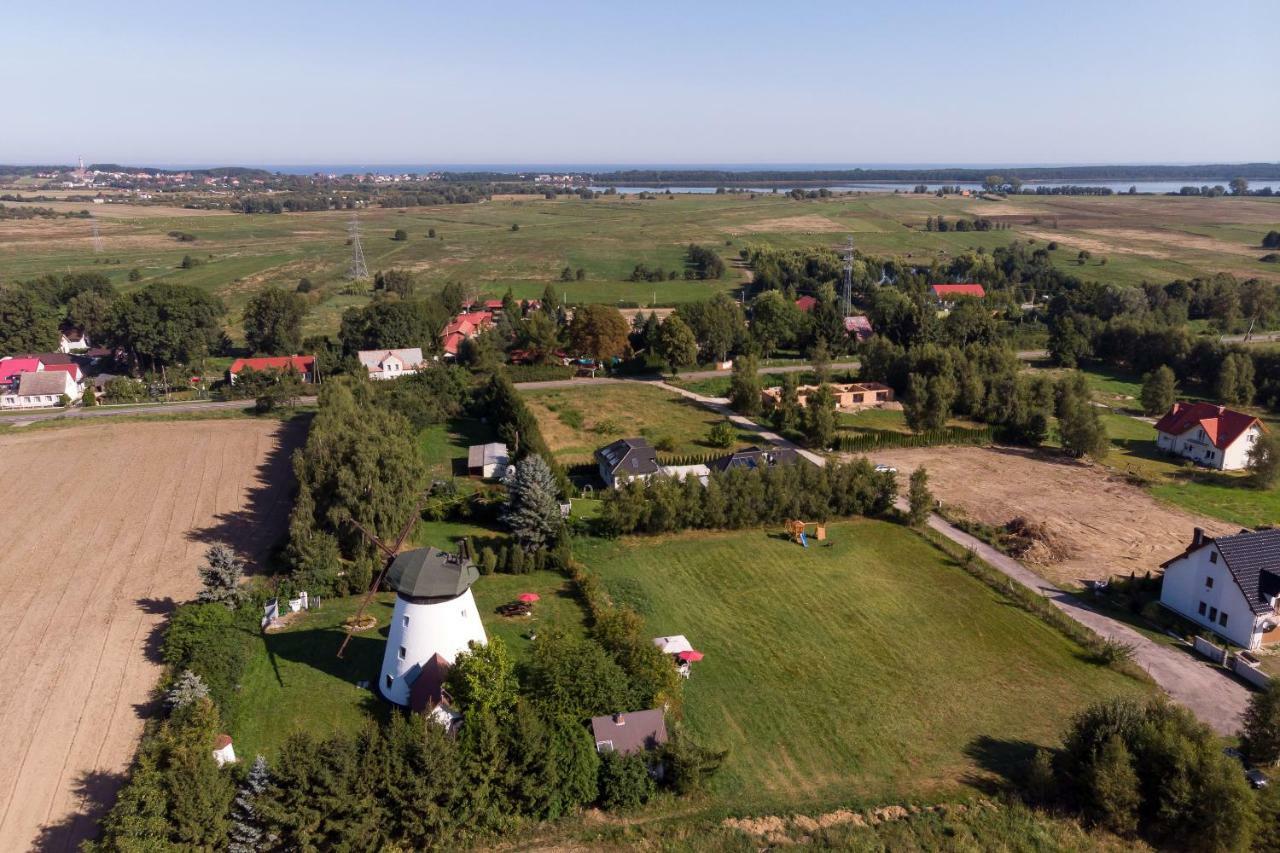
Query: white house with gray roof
625, 460
391, 363
1228, 585
42, 389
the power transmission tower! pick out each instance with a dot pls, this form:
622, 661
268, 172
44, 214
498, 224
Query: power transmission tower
846, 301
97, 239
358, 271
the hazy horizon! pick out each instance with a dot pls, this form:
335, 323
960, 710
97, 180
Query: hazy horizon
295, 84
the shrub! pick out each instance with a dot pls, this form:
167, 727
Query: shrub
625, 781
400, 235
721, 434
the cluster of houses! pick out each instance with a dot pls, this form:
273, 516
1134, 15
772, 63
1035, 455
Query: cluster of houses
629, 459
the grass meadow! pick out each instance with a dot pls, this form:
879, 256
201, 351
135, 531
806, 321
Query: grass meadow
866, 668
1142, 238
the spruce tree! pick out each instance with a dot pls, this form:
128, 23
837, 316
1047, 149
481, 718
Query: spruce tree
744, 386
1079, 426
221, 575
187, 688
533, 507
246, 827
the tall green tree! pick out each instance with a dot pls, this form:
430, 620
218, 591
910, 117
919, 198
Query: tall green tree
166, 324
26, 323
599, 331
1264, 459
745, 386
1235, 379
676, 343
1159, 391
1260, 734
1079, 427
919, 499
483, 679
820, 417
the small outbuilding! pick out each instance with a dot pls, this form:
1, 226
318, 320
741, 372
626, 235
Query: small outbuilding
488, 460
631, 732
223, 752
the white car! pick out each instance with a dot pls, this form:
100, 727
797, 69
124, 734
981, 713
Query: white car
886, 469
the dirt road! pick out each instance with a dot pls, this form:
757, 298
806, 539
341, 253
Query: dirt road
104, 528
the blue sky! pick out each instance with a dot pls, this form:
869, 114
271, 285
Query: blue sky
285, 82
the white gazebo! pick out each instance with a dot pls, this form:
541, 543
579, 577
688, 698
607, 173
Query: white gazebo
673, 645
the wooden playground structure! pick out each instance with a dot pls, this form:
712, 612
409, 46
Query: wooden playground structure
796, 530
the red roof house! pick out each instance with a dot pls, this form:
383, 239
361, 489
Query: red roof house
859, 326
952, 292
304, 365
1209, 434
466, 325
12, 368
807, 303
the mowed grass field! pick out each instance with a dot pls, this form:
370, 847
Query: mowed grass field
577, 421
295, 680
869, 668
1143, 238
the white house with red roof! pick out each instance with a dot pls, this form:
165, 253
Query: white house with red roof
391, 363
1209, 435
303, 365
947, 294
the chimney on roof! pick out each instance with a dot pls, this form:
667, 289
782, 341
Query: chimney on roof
1197, 537
619, 720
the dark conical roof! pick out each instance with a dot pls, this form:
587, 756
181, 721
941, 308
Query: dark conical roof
431, 573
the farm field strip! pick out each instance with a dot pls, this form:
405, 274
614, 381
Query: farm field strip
108, 541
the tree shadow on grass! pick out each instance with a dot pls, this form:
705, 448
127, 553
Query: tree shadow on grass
1005, 763
94, 792
254, 529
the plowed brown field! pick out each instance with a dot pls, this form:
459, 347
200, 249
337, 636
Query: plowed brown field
104, 526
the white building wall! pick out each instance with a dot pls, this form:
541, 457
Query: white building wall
1236, 456
1185, 587
425, 630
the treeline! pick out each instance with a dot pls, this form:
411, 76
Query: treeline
1145, 328
717, 177
25, 212
743, 497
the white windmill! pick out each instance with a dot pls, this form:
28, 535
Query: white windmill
435, 615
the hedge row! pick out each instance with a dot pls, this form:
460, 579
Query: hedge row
864, 442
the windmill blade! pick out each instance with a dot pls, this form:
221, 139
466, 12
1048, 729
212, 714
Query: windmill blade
374, 540
386, 566
409, 525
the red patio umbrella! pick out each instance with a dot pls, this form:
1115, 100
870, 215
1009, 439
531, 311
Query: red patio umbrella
690, 656
528, 597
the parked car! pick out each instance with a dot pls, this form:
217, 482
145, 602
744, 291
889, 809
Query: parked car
886, 469
1256, 778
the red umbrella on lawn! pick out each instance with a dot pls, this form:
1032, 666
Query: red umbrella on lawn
690, 656
528, 597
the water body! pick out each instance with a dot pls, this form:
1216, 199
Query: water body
1159, 187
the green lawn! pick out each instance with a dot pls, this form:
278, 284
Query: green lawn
872, 668
576, 421
295, 680
444, 446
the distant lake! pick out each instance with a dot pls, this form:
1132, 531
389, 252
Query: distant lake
1159, 187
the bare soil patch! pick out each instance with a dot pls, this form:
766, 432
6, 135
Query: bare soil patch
1100, 246
788, 225
107, 523
1107, 526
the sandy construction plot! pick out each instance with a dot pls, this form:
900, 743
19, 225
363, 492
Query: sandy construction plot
1113, 528
105, 525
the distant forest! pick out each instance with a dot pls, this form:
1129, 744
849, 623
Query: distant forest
1219, 171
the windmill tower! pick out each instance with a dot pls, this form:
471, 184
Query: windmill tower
435, 615
358, 270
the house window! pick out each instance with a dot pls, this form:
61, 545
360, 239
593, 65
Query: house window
1213, 556
389, 680
404, 621
1203, 608
1208, 583
1222, 619
1213, 614
401, 653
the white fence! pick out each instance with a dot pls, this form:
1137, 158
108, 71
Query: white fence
1217, 654
1249, 672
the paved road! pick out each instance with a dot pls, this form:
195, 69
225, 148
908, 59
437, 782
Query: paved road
142, 409
1212, 695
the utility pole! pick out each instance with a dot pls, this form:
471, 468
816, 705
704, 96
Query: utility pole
846, 302
358, 270
97, 239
